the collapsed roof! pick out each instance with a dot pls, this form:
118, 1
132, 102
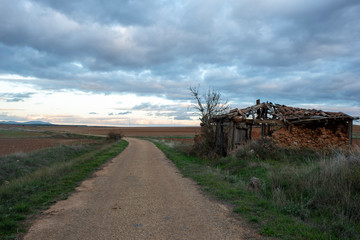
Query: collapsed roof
268, 112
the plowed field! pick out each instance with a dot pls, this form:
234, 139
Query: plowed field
13, 145
29, 138
126, 131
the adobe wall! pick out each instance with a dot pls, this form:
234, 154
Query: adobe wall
315, 136
256, 132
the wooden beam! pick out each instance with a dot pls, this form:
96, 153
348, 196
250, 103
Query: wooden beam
238, 119
267, 121
250, 132
319, 120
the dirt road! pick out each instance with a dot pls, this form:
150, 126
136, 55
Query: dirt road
138, 195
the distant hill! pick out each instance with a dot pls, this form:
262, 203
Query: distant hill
26, 123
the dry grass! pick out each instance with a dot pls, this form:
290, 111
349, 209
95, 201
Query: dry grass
322, 188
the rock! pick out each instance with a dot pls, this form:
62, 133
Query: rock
254, 185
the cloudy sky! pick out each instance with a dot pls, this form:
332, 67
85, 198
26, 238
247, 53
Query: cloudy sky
131, 62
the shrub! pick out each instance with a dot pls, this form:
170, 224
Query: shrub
114, 136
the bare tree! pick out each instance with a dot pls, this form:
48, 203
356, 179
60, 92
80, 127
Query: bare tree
208, 105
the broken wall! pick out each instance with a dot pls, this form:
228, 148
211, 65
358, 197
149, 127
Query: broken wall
312, 135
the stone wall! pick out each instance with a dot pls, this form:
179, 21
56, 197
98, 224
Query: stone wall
316, 136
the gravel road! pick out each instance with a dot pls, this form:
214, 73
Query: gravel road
138, 195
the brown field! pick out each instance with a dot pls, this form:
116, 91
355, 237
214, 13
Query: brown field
12, 144
126, 131
356, 129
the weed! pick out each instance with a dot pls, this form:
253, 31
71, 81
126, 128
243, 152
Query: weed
19, 164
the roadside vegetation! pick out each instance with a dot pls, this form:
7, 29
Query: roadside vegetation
18, 132
303, 194
31, 182
14, 132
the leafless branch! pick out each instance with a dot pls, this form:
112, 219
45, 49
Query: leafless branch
209, 105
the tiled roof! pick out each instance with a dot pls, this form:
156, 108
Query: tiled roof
267, 110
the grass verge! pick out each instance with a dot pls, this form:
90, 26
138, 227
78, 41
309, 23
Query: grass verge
36, 191
20, 164
19, 133
303, 194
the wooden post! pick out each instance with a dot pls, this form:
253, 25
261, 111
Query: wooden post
231, 144
350, 131
222, 139
265, 112
250, 131
218, 136
263, 130
258, 112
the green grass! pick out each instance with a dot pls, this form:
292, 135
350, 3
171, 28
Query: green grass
16, 132
19, 164
304, 194
20, 133
31, 193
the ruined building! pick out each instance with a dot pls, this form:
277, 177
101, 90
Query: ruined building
287, 126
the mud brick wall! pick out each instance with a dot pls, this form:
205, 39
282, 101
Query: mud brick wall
315, 136
256, 132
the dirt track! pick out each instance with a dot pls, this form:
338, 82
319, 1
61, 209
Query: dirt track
139, 195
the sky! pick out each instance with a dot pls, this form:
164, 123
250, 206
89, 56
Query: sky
131, 63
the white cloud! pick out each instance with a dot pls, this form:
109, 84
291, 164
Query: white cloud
95, 53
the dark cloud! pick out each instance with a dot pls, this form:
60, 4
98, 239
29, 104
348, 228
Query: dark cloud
176, 112
15, 97
4, 116
109, 12
287, 51
120, 113
124, 113
182, 116
145, 106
